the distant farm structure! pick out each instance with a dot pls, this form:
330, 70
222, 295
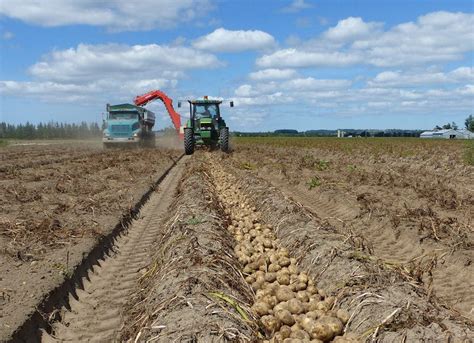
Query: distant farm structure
448, 134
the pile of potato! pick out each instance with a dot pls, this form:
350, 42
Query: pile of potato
290, 306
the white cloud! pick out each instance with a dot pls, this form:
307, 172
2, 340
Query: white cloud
70, 92
296, 6
115, 15
91, 62
108, 71
264, 92
433, 38
411, 79
351, 28
272, 74
222, 40
7, 35
342, 97
243, 90
295, 58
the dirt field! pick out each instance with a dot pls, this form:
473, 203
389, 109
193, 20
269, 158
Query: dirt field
407, 203
282, 240
57, 199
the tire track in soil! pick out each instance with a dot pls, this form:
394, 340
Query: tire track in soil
452, 283
427, 321
97, 314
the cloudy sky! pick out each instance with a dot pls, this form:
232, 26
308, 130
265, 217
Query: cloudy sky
286, 63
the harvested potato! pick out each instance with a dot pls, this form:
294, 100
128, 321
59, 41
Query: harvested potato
285, 331
295, 306
261, 308
283, 252
270, 277
323, 306
312, 289
292, 340
285, 317
270, 300
300, 334
335, 324
267, 243
280, 306
257, 285
315, 314
347, 338
284, 293
300, 286
270, 323
274, 267
307, 324
283, 278
302, 296
284, 261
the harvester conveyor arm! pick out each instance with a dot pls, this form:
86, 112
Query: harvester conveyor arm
142, 100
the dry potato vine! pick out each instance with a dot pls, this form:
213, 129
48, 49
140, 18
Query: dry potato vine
290, 306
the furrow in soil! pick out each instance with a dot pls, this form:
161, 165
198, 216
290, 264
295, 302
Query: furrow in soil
95, 313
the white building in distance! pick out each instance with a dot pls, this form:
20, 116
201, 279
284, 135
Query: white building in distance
448, 134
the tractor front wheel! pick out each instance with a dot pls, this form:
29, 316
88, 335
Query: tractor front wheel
225, 139
188, 141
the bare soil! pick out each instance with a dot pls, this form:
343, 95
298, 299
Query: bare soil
380, 230
56, 200
408, 215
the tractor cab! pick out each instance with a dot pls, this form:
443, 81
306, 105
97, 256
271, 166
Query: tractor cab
206, 117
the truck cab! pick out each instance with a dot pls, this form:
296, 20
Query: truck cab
127, 124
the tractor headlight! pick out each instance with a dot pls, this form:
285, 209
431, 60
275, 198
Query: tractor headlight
106, 134
135, 134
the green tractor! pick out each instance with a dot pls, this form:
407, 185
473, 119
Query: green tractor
205, 126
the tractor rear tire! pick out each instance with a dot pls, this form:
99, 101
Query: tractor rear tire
225, 139
188, 141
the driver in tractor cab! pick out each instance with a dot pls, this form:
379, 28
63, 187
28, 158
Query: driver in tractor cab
206, 112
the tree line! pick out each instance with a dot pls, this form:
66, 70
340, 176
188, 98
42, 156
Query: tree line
468, 124
50, 130
332, 133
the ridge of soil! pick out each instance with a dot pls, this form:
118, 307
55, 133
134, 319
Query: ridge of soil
180, 297
386, 301
410, 203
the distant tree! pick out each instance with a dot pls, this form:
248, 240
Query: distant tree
469, 123
447, 126
454, 126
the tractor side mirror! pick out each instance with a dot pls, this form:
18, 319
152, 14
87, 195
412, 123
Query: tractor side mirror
231, 104
179, 103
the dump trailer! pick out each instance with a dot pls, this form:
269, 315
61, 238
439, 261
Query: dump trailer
128, 125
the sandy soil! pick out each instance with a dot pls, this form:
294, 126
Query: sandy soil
372, 236
56, 200
410, 207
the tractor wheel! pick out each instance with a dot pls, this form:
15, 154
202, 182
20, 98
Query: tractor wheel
188, 141
225, 139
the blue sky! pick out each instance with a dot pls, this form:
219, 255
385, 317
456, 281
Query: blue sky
286, 64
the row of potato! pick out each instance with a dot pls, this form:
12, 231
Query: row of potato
290, 306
